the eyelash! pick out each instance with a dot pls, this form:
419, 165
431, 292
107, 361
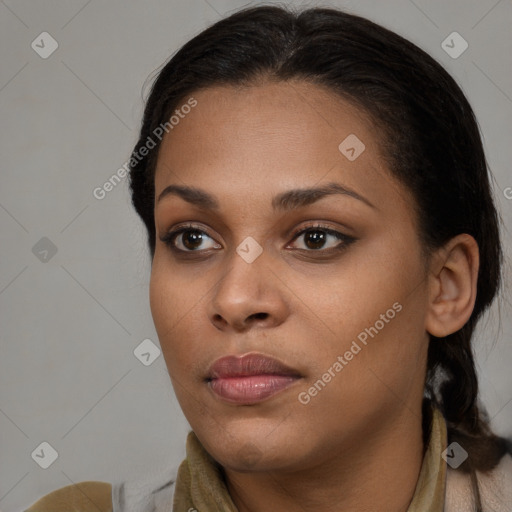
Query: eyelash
169, 238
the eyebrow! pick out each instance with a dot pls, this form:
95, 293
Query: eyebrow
289, 200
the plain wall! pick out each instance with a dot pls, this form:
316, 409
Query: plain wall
69, 325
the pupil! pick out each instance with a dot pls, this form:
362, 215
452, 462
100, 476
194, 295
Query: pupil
191, 238
317, 239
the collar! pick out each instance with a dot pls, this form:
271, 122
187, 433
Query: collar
430, 488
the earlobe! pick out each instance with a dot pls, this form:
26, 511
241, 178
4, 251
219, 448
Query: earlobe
452, 285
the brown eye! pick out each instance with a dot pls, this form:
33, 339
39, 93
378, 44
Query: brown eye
189, 240
192, 239
318, 238
315, 239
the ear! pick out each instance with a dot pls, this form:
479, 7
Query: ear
453, 275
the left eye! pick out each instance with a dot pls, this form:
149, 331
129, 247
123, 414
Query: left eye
315, 238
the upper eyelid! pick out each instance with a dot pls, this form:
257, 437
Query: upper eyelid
179, 228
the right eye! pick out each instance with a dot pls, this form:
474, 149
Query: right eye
188, 239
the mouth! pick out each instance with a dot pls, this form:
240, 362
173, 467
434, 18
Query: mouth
250, 378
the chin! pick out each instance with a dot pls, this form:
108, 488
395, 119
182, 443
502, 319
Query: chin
246, 447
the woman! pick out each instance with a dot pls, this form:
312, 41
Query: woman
323, 241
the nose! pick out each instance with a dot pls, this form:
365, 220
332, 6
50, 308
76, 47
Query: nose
248, 295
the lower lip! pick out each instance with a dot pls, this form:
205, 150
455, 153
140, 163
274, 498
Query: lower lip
250, 389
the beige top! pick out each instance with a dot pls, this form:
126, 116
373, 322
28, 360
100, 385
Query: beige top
199, 485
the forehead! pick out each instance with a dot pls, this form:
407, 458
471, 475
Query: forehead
268, 137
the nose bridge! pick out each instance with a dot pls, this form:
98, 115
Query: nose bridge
242, 281
246, 290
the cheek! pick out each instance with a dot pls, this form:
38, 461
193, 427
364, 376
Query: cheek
374, 375
163, 301
374, 304
168, 301
175, 300
347, 298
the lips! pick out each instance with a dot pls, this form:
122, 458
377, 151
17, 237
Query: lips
250, 378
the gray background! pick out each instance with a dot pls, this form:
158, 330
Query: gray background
70, 324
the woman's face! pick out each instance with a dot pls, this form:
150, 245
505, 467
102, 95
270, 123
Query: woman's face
341, 307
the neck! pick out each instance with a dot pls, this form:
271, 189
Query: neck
378, 470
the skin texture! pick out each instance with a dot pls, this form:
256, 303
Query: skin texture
358, 442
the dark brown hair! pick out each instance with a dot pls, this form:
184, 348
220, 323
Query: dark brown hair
430, 139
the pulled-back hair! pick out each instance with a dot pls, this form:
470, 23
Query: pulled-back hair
430, 140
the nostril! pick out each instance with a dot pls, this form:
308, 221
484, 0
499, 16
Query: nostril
260, 316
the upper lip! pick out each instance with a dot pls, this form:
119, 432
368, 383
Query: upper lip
247, 365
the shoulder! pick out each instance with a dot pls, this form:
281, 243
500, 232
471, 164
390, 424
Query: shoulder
149, 490
495, 489
87, 496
